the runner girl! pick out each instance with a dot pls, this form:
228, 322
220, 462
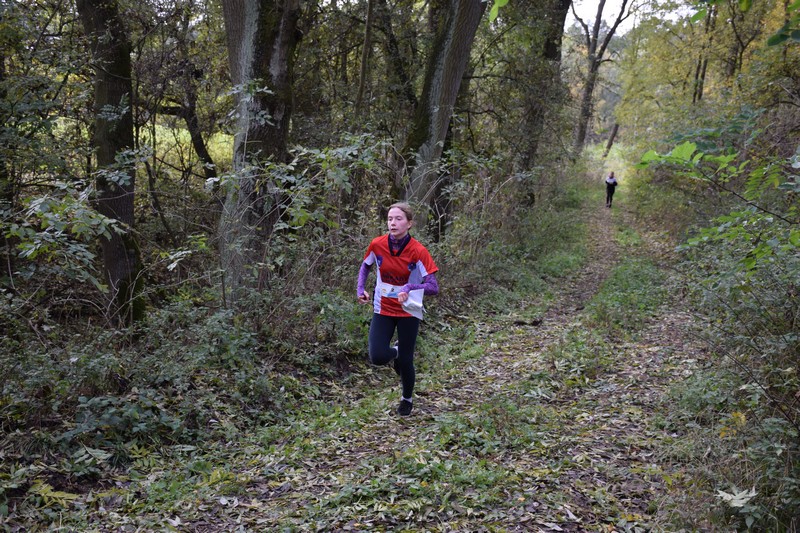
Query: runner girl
405, 273
611, 184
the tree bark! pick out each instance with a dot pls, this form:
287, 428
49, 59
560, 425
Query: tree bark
448, 61
6, 186
702, 60
611, 138
113, 136
365, 54
395, 59
595, 52
262, 37
542, 88
191, 73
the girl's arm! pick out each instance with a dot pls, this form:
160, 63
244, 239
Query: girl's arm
429, 284
363, 272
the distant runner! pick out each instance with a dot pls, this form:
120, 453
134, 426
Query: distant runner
406, 272
611, 184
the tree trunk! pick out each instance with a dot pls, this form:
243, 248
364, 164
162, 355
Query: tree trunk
262, 38
702, 60
189, 114
113, 136
191, 74
595, 51
611, 138
448, 61
542, 88
585, 113
394, 58
365, 53
6, 187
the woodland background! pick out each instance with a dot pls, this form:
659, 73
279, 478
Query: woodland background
187, 187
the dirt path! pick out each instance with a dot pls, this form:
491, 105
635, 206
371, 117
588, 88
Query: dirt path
495, 443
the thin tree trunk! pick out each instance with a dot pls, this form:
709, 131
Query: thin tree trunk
6, 187
702, 60
395, 59
611, 138
365, 53
113, 135
446, 66
189, 106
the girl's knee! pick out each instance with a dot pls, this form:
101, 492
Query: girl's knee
379, 356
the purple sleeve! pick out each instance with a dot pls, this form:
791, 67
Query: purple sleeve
363, 272
429, 284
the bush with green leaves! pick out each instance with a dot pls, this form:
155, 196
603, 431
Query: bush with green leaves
743, 269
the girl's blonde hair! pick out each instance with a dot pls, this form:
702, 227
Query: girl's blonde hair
405, 208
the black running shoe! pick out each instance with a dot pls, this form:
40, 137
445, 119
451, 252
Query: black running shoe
404, 409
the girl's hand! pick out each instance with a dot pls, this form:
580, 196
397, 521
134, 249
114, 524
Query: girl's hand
402, 297
364, 298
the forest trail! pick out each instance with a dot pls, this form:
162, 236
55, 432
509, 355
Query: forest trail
523, 435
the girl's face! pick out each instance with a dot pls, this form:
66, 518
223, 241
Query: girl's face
398, 223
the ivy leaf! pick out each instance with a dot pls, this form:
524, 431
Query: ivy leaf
745, 5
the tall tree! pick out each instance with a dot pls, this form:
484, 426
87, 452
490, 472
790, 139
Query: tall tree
543, 71
401, 82
596, 46
262, 37
365, 55
702, 60
446, 65
113, 141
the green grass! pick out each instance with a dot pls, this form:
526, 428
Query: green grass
629, 297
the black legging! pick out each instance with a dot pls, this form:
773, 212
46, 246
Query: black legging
381, 331
609, 194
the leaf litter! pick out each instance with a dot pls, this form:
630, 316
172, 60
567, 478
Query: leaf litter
524, 437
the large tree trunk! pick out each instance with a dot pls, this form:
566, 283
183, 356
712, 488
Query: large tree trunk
543, 84
585, 112
113, 135
448, 61
262, 37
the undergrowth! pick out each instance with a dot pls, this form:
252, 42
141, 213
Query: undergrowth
151, 410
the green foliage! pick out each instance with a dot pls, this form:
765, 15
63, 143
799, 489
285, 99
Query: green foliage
59, 231
790, 30
742, 267
103, 421
496, 9
629, 297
